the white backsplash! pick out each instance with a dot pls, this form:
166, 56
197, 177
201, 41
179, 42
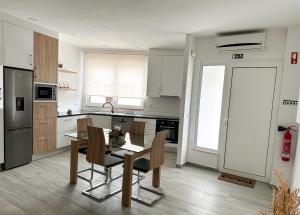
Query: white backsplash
168, 106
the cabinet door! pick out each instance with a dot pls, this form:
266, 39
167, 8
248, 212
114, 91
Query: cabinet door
45, 58
67, 124
101, 121
44, 110
18, 46
154, 75
171, 76
44, 144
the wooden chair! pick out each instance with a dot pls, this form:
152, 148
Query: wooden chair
137, 128
82, 127
83, 123
96, 154
145, 165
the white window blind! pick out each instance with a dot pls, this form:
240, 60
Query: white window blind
115, 75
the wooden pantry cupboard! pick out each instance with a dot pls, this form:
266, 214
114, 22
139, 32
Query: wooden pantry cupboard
45, 113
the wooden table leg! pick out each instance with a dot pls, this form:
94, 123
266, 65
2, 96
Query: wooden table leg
74, 162
156, 177
127, 180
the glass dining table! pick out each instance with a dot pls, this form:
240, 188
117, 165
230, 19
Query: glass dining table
133, 147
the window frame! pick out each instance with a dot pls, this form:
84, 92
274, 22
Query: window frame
113, 100
195, 146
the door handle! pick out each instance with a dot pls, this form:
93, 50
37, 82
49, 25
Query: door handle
16, 129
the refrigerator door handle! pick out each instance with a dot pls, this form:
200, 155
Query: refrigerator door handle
16, 129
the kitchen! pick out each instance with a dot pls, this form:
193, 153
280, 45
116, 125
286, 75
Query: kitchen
218, 97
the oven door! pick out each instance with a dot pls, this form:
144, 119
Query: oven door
43, 92
172, 136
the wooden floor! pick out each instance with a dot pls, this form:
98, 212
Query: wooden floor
42, 188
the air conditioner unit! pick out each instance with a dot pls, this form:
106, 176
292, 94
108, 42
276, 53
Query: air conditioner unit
254, 41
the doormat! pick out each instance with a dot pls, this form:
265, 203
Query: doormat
237, 180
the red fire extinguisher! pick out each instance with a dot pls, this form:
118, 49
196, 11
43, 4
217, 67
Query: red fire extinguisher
287, 142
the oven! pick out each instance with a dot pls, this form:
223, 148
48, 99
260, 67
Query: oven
45, 92
168, 125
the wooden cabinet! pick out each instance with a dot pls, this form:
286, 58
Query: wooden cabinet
45, 58
164, 75
17, 46
44, 127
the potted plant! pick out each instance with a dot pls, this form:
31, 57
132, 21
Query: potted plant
285, 201
117, 137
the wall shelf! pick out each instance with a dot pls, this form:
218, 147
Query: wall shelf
66, 71
65, 88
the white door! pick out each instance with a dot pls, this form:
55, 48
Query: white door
18, 46
171, 76
154, 74
249, 120
1, 118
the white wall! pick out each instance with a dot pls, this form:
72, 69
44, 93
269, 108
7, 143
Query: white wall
296, 169
205, 53
185, 105
27, 24
287, 114
71, 58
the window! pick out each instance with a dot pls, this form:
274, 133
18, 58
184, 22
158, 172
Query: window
119, 78
210, 106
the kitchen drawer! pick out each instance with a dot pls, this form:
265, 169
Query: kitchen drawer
44, 110
62, 140
44, 144
65, 124
44, 127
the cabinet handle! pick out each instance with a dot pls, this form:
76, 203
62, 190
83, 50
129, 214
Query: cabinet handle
30, 60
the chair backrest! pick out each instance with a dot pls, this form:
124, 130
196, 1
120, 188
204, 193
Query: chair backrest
83, 123
96, 146
137, 128
157, 150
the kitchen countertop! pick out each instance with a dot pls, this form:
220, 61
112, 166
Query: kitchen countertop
136, 115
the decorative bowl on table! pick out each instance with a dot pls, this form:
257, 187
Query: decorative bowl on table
117, 138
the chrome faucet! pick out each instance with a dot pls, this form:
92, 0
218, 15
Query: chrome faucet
112, 107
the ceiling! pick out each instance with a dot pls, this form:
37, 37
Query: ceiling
143, 24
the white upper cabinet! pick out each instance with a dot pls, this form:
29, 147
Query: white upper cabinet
154, 74
18, 46
171, 76
164, 75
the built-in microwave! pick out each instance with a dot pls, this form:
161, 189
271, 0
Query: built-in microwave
45, 92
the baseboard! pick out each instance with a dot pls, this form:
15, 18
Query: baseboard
199, 166
57, 151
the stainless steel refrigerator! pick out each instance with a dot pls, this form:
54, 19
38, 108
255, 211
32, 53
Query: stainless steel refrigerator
17, 117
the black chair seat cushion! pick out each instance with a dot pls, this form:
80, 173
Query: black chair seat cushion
119, 154
111, 161
141, 165
84, 151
